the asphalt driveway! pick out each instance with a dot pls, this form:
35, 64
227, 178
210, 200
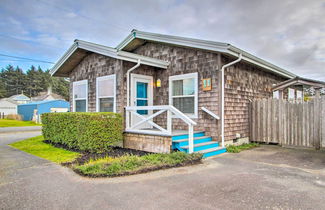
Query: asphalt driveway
268, 177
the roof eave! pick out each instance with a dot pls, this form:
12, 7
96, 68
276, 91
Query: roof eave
107, 51
260, 62
64, 58
206, 45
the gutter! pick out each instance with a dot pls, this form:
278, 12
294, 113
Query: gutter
128, 89
223, 96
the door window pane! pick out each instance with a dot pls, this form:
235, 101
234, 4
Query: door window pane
142, 103
80, 105
142, 90
184, 104
106, 104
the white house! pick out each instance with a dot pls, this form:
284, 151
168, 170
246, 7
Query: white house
8, 106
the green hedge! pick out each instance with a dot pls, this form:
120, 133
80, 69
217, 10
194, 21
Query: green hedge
91, 132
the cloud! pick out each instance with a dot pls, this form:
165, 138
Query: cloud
288, 33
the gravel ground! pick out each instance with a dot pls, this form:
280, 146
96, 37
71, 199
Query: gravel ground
267, 177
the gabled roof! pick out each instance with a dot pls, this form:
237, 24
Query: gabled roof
19, 97
44, 95
81, 49
9, 100
299, 81
42, 102
137, 38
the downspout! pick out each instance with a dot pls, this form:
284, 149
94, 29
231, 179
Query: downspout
128, 89
223, 97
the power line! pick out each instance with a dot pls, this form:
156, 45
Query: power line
23, 58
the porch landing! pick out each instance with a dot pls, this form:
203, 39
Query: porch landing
178, 140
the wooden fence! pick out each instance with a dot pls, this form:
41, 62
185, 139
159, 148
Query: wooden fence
288, 123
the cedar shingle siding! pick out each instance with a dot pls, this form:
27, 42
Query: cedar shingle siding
243, 82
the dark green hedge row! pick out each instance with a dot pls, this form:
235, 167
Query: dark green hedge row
92, 132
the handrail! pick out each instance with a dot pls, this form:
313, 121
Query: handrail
173, 109
170, 109
210, 113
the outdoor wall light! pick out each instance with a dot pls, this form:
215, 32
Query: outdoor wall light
158, 83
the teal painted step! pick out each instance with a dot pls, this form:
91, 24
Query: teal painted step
197, 140
185, 136
202, 146
213, 152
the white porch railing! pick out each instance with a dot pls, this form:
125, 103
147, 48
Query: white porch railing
148, 119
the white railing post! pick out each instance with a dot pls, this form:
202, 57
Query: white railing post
190, 139
127, 119
169, 121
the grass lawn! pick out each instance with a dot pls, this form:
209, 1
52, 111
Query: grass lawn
37, 147
237, 149
108, 166
16, 123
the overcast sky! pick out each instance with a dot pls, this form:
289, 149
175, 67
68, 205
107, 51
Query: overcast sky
290, 34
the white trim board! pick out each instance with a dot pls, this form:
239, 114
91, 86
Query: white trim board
73, 98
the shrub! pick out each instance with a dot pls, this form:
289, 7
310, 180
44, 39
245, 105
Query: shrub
239, 148
91, 132
14, 117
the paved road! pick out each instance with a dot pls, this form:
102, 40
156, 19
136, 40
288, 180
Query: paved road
19, 129
264, 178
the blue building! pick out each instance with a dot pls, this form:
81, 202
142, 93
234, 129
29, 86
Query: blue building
33, 111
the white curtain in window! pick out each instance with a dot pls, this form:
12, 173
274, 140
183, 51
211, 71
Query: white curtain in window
106, 87
80, 91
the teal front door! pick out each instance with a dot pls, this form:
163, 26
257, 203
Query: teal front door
142, 95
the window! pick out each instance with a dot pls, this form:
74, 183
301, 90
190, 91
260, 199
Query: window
291, 94
183, 93
276, 94
105, 94
299, 94
80, 96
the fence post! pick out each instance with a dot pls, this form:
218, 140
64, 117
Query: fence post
317, 128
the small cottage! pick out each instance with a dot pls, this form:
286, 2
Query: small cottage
174, 92
9, 105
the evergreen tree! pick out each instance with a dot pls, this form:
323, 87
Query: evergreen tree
14, 81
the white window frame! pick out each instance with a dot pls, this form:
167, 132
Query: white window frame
196, 90
276, 95
291, 94
74, 100
299, 94
112, 76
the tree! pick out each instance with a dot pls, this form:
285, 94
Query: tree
2, 89
15, 81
